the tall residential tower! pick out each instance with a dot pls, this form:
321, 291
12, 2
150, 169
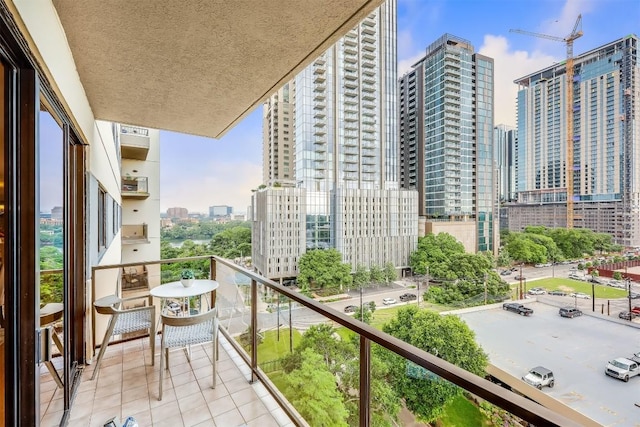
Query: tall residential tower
446, 141
606, 129
340, 115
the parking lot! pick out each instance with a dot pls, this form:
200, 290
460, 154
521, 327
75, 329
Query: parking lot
576, 350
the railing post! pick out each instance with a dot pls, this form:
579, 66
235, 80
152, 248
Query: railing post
212, 275
254, 330
365, 380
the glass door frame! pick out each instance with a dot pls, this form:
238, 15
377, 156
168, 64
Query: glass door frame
24, 91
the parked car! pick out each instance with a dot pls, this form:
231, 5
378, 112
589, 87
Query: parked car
408, 297
580, 295
575, 277
557, 292
517, 308
627, 315
539, 377
634, 295
350, 309
636, 310
505, 272
389, 301
518, 277
570, 312
537, 291
622, 368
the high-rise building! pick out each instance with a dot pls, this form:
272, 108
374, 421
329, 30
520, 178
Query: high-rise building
606, 127
341, 121
504, 140
446, 141
220, 211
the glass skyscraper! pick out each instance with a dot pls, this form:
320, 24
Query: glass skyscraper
606, 182
346, 150
446, 141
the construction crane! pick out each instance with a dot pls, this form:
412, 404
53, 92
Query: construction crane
568, 40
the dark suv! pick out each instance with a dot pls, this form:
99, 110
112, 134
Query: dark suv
570, 312
407, 297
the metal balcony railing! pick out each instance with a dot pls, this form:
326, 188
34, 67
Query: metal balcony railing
251, 306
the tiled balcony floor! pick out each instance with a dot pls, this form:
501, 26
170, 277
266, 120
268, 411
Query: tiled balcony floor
127, 385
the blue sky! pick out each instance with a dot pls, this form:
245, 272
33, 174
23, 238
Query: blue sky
200, 172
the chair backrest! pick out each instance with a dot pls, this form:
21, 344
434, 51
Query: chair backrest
189, 320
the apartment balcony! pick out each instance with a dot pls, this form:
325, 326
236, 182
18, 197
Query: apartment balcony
134, 142
134, 234
135, 187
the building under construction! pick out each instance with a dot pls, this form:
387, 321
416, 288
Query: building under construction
606, 161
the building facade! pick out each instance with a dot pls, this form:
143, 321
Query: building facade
220, 211
343, 109
504, 140
606, 125
446, 140
181, 213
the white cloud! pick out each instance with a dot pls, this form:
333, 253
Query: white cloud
510, 65
405, 65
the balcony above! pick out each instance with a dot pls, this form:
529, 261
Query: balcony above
134, 234
135, 187
134, 143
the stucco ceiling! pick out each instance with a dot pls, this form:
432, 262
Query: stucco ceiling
196, 66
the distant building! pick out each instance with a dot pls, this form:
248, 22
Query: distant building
181, 213
504, 140
57, 212
239, 217
446, 142
220, 211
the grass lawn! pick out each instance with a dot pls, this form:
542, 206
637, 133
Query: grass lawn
270, 348
462, 412
570, 285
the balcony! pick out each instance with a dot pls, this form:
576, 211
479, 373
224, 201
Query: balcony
134, 234
134, 142
135, 187
251, 309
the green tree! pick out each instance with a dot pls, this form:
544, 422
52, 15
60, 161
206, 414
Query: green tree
434, 251
617, 275
390, 272
377, 275
363, 313
450, 339
504, 258
323, 268
341, 359
361, 277
313, 391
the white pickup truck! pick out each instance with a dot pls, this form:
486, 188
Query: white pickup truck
623, 368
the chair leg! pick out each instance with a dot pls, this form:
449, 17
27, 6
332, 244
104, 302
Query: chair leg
152, 341
161, 371
166, 355
103, 347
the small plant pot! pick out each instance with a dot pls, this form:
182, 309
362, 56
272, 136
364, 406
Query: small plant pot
187, 283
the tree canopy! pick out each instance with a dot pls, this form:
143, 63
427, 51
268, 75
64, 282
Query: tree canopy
323, 269
447, 337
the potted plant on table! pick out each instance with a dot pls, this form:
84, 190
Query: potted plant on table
187, 277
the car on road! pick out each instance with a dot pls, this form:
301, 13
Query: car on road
636, 310
350, 309
506, 272
539, 377
389, 301
518, 277
570, 312
408, 297
537, 291
557, 292
634, 295
517, 308
622, 368
627, 315
579, 295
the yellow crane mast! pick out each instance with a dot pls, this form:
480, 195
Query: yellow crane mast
568, 40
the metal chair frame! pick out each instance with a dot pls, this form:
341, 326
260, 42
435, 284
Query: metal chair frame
184, 331
111, 305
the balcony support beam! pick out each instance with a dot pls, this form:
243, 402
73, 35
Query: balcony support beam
365, 381
254, 331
